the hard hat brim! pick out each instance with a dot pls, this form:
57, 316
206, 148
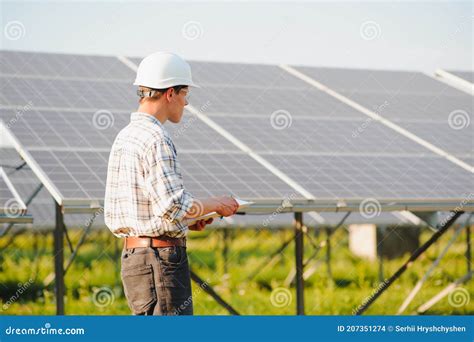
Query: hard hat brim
166, 84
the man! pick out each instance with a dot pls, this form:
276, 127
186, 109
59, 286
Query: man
145, 199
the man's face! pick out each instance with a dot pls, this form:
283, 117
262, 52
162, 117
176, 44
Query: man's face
177, 103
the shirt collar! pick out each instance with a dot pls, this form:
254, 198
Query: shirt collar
145, 116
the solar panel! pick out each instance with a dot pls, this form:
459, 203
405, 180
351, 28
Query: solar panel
404, 107
42, 206
384, 82
460, 142
64, 93
211, 174
286, 134
378, 177
433, 110
97, 130
261, 101
54, 65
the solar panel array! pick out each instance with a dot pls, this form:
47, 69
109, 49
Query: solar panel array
66, 111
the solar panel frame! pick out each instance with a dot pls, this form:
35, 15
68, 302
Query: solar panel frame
468, 76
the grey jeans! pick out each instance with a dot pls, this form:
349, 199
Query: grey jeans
156, 280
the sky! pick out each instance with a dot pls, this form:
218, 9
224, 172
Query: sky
382, 35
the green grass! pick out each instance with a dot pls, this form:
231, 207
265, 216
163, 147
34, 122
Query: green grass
353, 279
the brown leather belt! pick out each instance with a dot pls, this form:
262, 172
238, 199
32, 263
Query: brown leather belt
159, 241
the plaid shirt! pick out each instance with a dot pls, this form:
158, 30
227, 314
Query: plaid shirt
144, 193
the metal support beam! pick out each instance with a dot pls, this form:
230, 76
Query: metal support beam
210, 291
428, 273
468, 244
328, 252
442, 228
380, 233
311, 270
270, 260
299, 245
59, 288
49, 279
32, 196
225, 249
446, 291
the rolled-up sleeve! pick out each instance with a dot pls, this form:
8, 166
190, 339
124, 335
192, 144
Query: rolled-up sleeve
164, 182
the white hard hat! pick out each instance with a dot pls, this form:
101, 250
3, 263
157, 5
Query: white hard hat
162, 70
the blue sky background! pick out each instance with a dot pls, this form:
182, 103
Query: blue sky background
384, 35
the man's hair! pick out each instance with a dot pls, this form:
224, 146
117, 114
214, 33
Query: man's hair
144, 92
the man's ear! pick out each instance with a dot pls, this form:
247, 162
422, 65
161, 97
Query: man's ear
169, 94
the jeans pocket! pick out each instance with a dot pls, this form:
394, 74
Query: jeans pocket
170, 255
139, 287
174, 266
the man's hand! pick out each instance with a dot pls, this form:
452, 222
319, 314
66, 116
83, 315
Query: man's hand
227, 206
200, 225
